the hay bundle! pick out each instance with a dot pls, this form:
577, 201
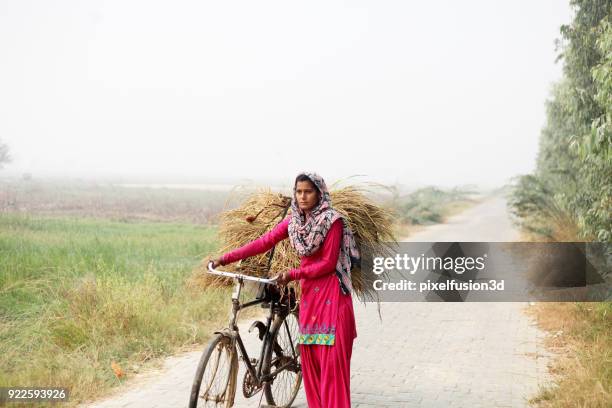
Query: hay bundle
261, 211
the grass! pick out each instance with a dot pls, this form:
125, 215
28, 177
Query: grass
581, 335
77, 295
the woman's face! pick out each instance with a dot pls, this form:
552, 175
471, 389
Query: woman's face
306, 195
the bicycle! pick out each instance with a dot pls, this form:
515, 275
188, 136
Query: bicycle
279, 357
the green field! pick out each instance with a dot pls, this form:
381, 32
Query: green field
77, 294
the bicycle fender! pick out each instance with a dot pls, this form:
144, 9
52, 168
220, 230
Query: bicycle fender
226, 332
260, 326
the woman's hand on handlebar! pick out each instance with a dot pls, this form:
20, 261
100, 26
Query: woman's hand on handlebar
283, 278
216, 262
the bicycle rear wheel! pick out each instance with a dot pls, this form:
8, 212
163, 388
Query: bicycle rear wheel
285, 352
214, 384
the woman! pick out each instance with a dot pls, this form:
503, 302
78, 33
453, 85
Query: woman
327, 252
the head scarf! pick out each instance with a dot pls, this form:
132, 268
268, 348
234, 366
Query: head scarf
307, 236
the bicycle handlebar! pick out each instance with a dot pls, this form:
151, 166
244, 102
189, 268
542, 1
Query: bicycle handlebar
239, 275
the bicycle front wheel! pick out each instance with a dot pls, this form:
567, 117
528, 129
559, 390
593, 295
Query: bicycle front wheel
214, 384
282, 361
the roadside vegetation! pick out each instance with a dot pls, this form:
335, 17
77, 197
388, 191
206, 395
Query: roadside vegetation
429, 205
569, 198
86, 303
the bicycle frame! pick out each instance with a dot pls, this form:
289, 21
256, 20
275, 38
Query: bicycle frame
233, 332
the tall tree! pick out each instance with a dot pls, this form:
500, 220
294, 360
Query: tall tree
572, 182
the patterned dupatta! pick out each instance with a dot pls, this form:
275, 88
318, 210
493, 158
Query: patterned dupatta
307, 236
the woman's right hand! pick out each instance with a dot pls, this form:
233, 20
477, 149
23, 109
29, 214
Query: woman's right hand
216, 262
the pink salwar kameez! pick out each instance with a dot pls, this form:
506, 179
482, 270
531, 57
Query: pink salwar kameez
326, 317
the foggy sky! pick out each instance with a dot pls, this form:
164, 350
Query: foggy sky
440, 92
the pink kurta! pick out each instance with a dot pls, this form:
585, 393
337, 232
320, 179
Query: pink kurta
327, 319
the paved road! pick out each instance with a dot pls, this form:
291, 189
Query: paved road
420, 354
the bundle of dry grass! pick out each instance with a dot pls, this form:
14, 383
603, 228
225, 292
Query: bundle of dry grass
260, 212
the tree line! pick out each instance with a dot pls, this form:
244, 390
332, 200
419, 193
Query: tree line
569, 195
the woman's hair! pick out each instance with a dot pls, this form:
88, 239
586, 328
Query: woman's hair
303, 177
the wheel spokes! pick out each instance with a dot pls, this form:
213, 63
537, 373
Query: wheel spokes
217, 375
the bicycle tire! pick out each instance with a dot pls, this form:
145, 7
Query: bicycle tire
283, 330
220, 345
